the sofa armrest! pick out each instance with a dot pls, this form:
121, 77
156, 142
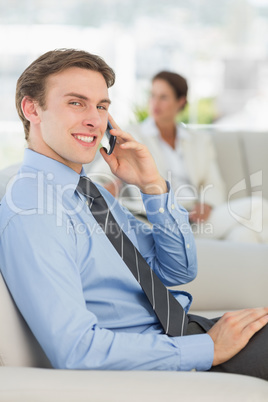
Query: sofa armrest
230, 276
18, 346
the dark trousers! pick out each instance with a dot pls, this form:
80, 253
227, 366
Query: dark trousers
252, 360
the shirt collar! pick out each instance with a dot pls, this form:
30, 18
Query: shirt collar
54, 171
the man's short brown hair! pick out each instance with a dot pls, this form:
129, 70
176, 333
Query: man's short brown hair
32, 82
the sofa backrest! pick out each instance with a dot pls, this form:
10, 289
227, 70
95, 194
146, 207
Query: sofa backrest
18, 346
231, 160
242, 157
255, 148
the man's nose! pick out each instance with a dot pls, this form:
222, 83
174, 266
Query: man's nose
92, 118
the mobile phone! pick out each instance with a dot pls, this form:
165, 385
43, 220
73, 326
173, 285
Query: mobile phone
108, 140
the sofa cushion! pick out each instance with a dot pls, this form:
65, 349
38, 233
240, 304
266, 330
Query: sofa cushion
231, 276
39, 385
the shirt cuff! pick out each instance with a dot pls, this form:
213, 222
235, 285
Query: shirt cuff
160, 206
197, 352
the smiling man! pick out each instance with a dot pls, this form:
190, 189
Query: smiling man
69, 124
90, 279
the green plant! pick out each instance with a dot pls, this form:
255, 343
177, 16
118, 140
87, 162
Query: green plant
141, 113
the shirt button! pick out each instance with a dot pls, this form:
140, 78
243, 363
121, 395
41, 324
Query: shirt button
87, 203
161, 210
188, 245
172, 206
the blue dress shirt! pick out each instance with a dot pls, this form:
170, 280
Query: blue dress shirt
75, 292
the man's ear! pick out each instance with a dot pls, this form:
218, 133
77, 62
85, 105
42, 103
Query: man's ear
30, 110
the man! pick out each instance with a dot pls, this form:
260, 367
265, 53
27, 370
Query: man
75, 291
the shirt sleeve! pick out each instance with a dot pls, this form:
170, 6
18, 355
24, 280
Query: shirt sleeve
40, 269
169, 245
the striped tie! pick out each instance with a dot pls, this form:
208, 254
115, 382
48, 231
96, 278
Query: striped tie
168, 310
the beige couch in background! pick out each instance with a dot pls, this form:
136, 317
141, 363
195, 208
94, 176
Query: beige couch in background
231, 276
242, 157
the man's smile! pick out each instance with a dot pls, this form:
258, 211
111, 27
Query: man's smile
85, 139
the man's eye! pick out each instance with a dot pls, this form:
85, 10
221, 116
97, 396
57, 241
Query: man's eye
101, 107
75, 103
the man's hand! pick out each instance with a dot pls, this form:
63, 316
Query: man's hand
132, 162
233, 331
200, 212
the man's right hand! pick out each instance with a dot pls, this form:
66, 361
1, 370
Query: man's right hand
132, 162
233, 331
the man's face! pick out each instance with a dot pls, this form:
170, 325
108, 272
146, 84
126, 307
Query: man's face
75, 117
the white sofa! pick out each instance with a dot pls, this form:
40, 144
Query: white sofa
231, 276
235, 281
